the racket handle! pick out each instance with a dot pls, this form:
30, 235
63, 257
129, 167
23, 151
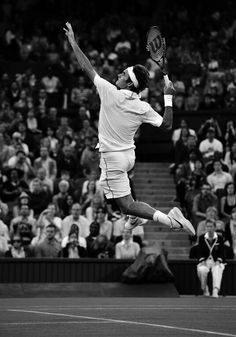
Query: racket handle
166, 79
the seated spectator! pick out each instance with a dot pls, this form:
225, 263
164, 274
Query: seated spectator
60, 199
75, 218
176, 134
47, 162
4, 241
183, 174
204, 199
211, 258
25, 230
17, 250
46, 183
96, 202
210, 145
227, 201
218, 179
209, 123
4, 231
52, 85
90, 157
6, 151
39, 198
18, 144
73, 248
232, 226
13, 187
230, 135
102, 248
21, 162
51, 142
87, 197
66, 160
211, 214
46, 217
63, 128
127, 248
230, 160
79, 93
49, 247
209, 167
75, 229
23, 200
24, 216
93, 234
104, 224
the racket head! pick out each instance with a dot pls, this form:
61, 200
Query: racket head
155, 43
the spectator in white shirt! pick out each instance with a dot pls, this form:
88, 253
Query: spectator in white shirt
127, 249
218, 179
210, 145
75, 218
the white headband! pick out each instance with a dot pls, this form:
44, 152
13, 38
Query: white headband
132, 76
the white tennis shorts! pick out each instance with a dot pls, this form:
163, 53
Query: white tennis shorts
114, 173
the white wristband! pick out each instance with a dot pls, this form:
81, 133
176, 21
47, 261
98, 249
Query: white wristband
168, 100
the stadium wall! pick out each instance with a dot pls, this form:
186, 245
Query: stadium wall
105, 270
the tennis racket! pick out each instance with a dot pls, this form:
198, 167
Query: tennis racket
156, 45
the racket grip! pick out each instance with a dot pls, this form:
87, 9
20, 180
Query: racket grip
166, 79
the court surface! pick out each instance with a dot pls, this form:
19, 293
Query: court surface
118, 317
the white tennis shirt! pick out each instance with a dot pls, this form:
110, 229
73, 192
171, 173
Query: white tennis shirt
121, 114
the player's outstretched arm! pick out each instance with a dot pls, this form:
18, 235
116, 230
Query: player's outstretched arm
169, 92
81, 57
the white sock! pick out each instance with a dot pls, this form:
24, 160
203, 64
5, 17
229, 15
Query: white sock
158, 216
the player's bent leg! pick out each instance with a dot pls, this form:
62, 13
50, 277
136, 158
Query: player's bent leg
175, 219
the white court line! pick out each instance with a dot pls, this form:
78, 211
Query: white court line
127, 322
50, 323
220, 308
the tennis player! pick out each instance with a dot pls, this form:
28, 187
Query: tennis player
121, 114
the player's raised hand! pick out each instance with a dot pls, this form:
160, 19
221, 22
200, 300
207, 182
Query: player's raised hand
169, 89
69, 32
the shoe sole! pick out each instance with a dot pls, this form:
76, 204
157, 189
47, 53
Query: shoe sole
186, 224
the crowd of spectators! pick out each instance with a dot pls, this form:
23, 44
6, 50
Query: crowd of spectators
51, 203
204, 173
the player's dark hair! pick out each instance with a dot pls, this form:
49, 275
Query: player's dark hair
142, 75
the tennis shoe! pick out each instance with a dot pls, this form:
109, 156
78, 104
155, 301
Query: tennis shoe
133, 222
178, 221
215, 293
